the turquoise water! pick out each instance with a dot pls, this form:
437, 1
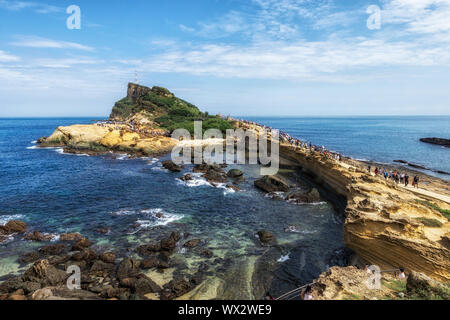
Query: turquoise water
56, 193
382, 139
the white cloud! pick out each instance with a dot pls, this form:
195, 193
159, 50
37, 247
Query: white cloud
5, 57
22, 5
35, 42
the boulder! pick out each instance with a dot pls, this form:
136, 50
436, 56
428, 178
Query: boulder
85, 255
149, 249
149, 263
13, 226
128, 268
144, 285
175, 288
215, 176
45, 274
266, 237
272, 184
312, 196
37, 236
108, 257
171, 166
235, 173
29, 257
11, 285
102, 268
81, 245
192, 243
53, 249
70, 237
187, 177
63, 293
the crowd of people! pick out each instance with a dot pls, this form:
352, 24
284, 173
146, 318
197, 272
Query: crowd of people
396, 176
133, 127
287, 138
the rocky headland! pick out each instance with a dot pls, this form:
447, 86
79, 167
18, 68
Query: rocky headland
385, 224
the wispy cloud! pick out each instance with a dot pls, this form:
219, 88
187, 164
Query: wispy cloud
5, 57
23, 5
37, 42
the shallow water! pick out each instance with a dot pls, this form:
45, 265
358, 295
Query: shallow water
56, 193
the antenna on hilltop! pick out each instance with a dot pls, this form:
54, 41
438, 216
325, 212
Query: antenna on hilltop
136, 78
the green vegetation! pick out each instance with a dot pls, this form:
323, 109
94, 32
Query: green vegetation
169, 112
123, 108
396, 285
352, 297
445, 212
432, 223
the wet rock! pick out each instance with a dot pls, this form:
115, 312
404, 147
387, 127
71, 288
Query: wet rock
29, 257
81, 245
11, 285
102, 268
63, 293
149, 263
149, 249
70, 237
187, 177
312, 196
37, 236
171, 166
229, 186
45, 274
175, 288
272, 184
17, 295
53, 249
437, 141
165, 255
128, 268
239, 180
13, 226
163, 264
58, 260
144, 285
235, 173
108, 257
192, 243
85, 255
207, 253
266, 237
175, 236
30, 287
103, 230
215, 176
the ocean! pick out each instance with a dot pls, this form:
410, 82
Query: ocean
57, 193
381, 139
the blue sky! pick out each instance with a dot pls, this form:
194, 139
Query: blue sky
238, 57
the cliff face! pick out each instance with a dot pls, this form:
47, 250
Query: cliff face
384, 222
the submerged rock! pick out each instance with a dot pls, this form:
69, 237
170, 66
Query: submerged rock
53, 249
272, 184
266, 237
192, 243
171, 166
312, 196
70, 237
